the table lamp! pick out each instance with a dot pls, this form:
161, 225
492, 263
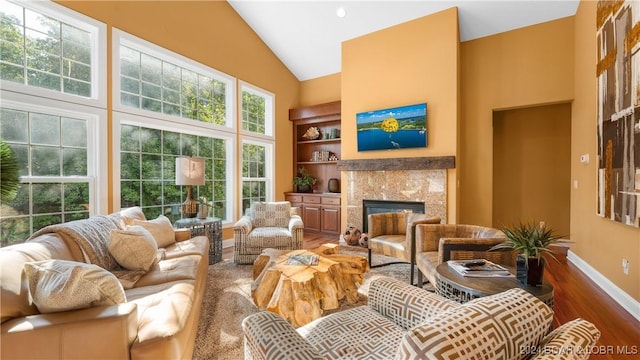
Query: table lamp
189, 172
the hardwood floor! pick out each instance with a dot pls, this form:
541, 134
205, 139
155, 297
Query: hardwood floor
575, 295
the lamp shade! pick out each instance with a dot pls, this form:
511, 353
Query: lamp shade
189, 171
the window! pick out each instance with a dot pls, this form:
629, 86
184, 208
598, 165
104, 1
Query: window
56, 149
257, 145
147, 167
51, 48
170, 106
153, 79
52, 115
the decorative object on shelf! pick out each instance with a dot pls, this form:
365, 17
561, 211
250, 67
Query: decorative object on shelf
333, 185
304, 181
312, 133
395, 128
189, 172
531, 241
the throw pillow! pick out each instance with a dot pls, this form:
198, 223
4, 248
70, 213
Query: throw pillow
134, 248
61, 285
271, 214
160, 228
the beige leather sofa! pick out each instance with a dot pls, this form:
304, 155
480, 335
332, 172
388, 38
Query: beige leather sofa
158, 320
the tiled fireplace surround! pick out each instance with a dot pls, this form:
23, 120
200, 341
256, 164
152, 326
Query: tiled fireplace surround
397, 179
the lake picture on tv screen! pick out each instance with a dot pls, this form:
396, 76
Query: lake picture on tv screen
395, 128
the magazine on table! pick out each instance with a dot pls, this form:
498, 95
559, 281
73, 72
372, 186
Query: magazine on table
479, 268
303, 259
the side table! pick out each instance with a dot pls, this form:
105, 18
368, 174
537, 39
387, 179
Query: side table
210, 227
459, 288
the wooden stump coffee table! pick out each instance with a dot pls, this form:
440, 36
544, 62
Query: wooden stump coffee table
300, 293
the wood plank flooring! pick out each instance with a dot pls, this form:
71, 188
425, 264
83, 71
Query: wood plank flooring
575, 295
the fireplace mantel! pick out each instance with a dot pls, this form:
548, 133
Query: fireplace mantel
412, 163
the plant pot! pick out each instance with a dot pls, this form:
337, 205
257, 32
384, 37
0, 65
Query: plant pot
535, 271
521, 269
303, 188
203, 213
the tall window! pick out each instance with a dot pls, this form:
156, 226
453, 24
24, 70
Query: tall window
257, 145
170, 106
52, 115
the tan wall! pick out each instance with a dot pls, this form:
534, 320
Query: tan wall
212, 33
600, 242
410, 63
320, 90
524, 67
532, 166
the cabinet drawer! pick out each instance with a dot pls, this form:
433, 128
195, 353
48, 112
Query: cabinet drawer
331, 200
309, 199
293, 198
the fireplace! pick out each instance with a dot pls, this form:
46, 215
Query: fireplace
381, 206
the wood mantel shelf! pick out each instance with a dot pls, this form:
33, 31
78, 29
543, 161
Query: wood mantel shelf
413, 163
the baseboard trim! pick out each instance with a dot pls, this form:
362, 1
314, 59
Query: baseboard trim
625, 300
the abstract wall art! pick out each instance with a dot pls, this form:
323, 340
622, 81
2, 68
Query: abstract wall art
618, 113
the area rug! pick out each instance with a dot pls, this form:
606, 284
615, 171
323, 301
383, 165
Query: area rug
228, 300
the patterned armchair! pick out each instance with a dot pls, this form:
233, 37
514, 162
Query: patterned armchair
392, 234
266, 225
402, 321
436, 244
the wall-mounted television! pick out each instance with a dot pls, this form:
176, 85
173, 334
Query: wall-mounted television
391, 129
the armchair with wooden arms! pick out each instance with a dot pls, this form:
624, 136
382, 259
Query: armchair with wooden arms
439, 243
392, 234
266, 225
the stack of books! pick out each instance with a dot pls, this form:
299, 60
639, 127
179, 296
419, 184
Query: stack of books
303, 259
478, 268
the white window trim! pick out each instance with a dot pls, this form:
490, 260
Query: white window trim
96, 155
98, 31
120, 118
269, 126
120, 37
269, 165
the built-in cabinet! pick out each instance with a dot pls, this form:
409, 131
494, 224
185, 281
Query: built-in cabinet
320, 212
319, 155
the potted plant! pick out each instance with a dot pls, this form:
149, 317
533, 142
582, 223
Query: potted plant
531, 242
9, 174
304, 181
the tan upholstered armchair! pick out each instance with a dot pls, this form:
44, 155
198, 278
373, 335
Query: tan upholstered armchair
266, 225
392, 234
436, 244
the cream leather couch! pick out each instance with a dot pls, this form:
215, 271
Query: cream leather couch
158, 320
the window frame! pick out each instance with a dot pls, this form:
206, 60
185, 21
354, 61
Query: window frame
98, 34
269, 125
269, 167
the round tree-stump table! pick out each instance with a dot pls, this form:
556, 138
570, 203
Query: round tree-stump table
300, 293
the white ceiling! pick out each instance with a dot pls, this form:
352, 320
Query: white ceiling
306, 34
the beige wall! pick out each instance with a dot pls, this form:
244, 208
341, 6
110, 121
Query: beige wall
524, 67
212, 33
410, 63
320, 90
600, 242
532, 166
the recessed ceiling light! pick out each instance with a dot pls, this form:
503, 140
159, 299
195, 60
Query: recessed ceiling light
341, 12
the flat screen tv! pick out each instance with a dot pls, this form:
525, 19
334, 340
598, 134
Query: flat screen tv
391, 129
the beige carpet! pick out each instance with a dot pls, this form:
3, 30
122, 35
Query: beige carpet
228, 300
